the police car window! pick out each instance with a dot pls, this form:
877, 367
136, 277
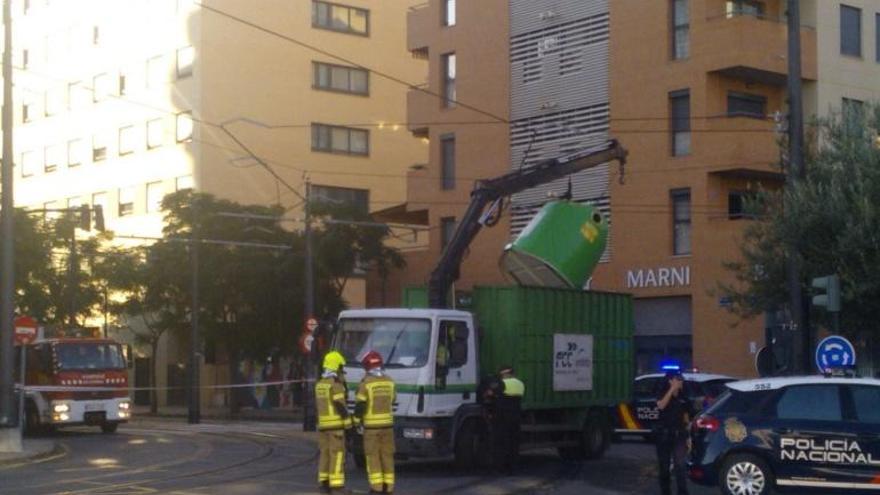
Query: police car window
810, 402
867, 403
647, 388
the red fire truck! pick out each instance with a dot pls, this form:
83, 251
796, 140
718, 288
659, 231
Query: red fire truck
76, 381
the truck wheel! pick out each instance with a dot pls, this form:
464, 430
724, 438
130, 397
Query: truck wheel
596, 437
745, 474
32, 424
109, 427
471, 445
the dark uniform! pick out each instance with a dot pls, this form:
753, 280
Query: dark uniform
375, 398
671, 436
332, 422
502, 397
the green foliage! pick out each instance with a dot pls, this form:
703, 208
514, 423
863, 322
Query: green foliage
834, 220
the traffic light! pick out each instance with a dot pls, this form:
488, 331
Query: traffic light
831, 298
99, 218
85, 217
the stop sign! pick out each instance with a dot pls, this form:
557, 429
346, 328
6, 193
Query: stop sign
25, 330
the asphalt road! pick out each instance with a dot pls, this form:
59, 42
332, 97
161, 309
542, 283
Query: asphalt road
169, 456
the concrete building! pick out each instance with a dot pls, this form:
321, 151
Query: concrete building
121, 102
690, 88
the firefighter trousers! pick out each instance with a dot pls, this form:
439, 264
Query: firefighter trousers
331, 466
379, 453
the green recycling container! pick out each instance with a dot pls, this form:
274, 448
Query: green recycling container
559, 248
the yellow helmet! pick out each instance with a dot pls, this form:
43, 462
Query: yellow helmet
333, 360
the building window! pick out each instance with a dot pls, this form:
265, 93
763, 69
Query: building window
127, 140
27, 110
185, 57
54, 101
680, 122
747, 105
447, 160
76, 152
681, 26
122, 84
448, 67
339, 78
850, 31
681, 221
155, 133
126, 201
741, 204
99, 200
100, 87
157, 72
340, 18
447, 230
99, 148
155, 193
96, 35
77, 95
184, 182
75, 202
52, 157
449, 12
29, 163
184, 127
25, 59
338, 139
358, 199
753, 8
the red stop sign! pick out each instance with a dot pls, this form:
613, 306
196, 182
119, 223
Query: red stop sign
25, 330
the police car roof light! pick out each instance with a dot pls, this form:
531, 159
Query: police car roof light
670, 367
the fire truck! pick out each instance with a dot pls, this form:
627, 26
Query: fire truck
75, 380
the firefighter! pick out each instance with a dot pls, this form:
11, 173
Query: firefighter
373, 410
676, 411
502, 397
333, 420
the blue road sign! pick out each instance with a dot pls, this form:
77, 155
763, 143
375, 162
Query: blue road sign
835, 352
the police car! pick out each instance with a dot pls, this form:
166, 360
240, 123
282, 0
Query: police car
639, 415
812, 432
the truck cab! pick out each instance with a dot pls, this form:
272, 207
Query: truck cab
431, 354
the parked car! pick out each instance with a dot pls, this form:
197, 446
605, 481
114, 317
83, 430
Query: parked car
795, 433
639, 415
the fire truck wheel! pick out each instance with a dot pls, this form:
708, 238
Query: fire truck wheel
109, 427
32, 420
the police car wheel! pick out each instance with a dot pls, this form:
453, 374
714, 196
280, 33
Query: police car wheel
745, 474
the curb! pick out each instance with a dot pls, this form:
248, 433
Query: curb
56, 451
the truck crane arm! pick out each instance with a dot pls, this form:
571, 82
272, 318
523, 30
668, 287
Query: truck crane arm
489, 190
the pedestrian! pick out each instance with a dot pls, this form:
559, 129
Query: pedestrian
502, 399
333, 420
374, 411
671, 432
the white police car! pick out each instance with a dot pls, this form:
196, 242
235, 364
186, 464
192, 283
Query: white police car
812, 432
639, 415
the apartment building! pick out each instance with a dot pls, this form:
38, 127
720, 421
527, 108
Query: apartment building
696, 91
119, 102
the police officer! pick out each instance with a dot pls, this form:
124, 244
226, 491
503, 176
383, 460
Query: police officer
373, 408
671, 436
502, 398
333, 420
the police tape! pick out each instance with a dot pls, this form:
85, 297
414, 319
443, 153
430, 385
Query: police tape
86, 388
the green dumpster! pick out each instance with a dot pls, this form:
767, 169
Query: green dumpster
559, 248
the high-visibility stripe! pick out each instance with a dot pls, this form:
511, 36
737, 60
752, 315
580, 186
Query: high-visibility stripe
513, 387
626, 416
829, 484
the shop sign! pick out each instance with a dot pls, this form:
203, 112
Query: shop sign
651, 278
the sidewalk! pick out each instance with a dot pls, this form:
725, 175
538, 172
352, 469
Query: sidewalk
221, 413
34, 449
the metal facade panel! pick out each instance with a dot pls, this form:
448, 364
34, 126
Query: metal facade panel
532, 15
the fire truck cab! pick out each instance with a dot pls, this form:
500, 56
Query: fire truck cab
75, 381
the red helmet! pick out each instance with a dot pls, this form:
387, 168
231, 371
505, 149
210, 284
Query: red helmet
372, 360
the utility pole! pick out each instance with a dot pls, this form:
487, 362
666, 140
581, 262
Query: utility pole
796, 173
10, 436
194, 416
309, 423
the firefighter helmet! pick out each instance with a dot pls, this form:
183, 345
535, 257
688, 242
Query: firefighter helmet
333, 360
372, 360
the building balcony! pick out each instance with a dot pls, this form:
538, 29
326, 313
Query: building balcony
420, 24
752, 48
421, 107
742, 146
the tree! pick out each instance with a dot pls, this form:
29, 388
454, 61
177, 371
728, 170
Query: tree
833, 218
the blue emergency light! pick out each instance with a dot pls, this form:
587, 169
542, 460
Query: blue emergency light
670, 367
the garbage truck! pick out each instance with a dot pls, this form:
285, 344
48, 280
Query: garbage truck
572, 348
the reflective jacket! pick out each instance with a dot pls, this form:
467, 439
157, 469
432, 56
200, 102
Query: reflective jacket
376, 394
329, 399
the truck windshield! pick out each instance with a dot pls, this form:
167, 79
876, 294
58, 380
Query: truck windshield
402, 342
89, 356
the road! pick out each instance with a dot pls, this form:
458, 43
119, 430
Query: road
169, 456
